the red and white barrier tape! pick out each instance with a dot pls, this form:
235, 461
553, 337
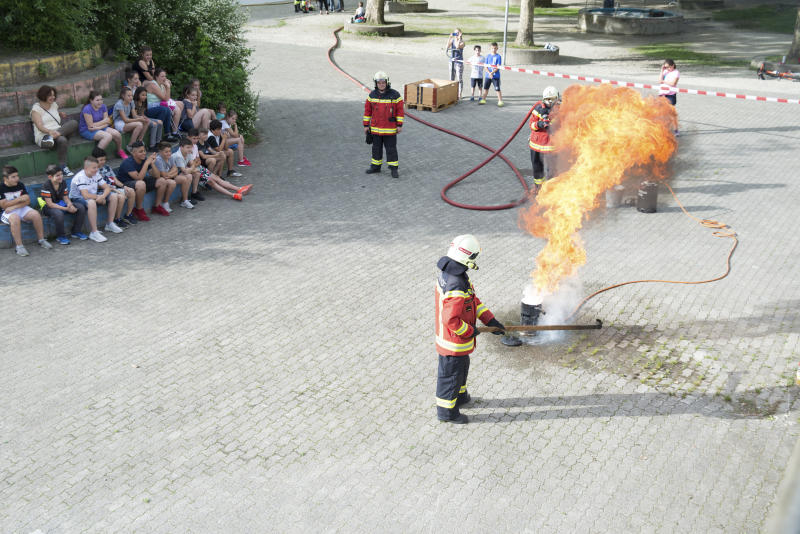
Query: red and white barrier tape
638, 85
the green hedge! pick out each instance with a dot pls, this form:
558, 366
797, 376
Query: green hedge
190, 39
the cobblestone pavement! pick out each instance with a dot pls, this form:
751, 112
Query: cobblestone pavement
269, 366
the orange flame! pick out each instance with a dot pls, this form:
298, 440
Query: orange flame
605, 134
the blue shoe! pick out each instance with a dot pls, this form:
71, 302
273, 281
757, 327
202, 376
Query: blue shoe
80, 235
131, 218
472, 99
63, 240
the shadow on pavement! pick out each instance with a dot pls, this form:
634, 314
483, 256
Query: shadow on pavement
743, 406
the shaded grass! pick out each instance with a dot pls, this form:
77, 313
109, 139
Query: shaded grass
766, 18
683, 55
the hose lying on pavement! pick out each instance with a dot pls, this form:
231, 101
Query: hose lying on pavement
721, 229
495, 153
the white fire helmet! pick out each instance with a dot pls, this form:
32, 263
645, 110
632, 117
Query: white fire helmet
465, 249
380, 75
550, 95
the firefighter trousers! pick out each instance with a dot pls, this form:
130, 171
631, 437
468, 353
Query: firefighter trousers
451, 385
540, 167
378, 143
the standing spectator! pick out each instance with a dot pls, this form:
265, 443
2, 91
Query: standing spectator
96, 125
455, 51
669, 83
140, 110
335, 5
158, 98
15, 206
109, 177
491, 76
125, 118
144, 66
134, 173
193, 116
55, 203
476, 77
539, 142
165, 167
233, 139
51, 128
322, 4
85, 189
383, 119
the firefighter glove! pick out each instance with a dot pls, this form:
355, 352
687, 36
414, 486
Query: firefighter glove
543, 124
498, 324
475, 331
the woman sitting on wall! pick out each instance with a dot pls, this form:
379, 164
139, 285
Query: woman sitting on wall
51, 128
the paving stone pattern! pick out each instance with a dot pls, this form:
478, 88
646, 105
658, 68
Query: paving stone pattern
269, 366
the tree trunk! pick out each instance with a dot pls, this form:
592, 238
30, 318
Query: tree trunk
525, 32
374, 12
794, 51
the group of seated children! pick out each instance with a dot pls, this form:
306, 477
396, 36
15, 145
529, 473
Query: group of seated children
197, 162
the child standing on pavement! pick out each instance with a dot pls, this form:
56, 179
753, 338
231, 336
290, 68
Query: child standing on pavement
476, 78
669, 83
491, 76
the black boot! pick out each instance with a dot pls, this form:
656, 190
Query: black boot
463, 399
373, 169
460, 419
394, 172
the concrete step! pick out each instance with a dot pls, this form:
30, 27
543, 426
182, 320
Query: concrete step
71, 89
31, 160
17, 130
19, 68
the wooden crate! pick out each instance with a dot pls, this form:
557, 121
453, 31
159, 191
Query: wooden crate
431, 94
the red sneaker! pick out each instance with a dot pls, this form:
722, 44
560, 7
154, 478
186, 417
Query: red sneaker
160, 211
244, 189
237, 196
246, 161
140, 214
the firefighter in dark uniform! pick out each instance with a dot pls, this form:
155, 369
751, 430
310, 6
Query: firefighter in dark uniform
383, 119
540, 144
457, 309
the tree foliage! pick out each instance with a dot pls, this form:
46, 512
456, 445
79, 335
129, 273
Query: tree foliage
48, 26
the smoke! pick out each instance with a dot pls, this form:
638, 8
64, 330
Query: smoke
556, 307
603, 134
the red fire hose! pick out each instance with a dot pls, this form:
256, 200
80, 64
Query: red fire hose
495, 153
722, 230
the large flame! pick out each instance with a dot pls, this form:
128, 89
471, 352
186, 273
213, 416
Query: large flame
605, 134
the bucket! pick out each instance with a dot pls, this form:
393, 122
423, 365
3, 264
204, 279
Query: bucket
647, 198
614, 196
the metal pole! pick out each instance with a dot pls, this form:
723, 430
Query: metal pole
505, 33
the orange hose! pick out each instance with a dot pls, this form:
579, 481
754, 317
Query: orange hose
722, 230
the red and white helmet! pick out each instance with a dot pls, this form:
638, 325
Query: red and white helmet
465, 249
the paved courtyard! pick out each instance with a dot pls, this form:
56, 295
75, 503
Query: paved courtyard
269, 366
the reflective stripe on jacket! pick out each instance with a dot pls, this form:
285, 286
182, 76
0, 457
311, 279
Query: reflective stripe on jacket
383, 112
540, 137
457, 308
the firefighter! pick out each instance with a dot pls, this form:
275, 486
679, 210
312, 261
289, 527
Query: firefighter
457, 309
540, 133
383, 119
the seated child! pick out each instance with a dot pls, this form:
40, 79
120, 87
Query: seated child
55, 203
14, 201
85, 189
232, 139
107, 176
165, 167
222, 111
208, 179
212, 159
359, 17
215, 142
